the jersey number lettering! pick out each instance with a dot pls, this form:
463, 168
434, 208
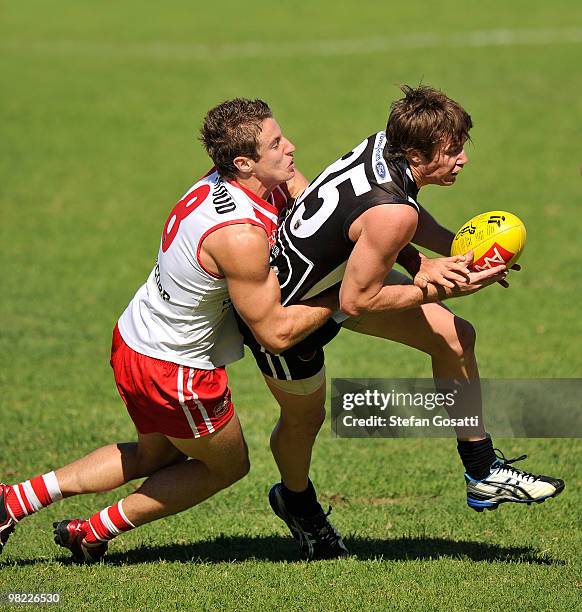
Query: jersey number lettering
328, 192
186, 206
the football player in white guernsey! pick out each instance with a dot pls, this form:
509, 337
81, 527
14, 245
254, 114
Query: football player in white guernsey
172, 342
352, 224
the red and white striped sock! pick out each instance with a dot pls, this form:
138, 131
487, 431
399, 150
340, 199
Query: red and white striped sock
31, 495
107, 524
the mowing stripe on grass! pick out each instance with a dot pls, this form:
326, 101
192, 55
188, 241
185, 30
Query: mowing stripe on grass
309, 48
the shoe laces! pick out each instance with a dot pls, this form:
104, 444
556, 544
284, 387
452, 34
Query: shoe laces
505, 464
320, 526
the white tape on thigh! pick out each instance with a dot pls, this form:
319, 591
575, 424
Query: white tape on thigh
305, 386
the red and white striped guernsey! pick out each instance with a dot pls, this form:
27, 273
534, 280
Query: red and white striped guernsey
183, 313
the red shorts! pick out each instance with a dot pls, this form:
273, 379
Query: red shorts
169, 398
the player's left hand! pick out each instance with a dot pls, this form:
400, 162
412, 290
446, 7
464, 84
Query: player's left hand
504, 283
442, 271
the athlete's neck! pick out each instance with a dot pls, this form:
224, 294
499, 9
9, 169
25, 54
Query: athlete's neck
416, 175
253, 184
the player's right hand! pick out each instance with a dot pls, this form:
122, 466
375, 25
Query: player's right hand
478, 280
443, 271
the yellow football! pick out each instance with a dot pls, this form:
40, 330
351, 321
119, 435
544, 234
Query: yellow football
496, 237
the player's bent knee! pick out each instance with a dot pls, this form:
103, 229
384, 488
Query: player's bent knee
236, 471
147, 465
235, 464
317, 421
466, 334
305, 415
457, 339
243, 469
307, 424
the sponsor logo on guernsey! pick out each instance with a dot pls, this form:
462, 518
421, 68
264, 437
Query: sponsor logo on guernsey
222, 200
379, 166
163, 293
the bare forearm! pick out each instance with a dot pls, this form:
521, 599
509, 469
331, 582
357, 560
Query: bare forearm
402, 297
393, 298
298, 321
302, 321
289, 325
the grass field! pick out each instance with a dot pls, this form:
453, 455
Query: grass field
100, 112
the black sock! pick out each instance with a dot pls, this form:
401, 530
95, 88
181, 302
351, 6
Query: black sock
477, 457
303, 503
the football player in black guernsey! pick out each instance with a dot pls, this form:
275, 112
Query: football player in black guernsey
351, 224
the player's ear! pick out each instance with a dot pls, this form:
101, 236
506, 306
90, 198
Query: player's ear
415, 158
243, 164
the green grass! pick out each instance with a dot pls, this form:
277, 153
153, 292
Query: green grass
100, 112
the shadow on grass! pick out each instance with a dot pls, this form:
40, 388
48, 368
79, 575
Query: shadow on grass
229, 549
279, 549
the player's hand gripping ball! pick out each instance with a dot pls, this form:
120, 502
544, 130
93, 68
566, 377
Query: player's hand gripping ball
496, 237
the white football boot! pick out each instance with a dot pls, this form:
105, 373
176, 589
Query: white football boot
506, 483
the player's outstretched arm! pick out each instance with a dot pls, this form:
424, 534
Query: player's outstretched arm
430, 234
380, 235
241, 253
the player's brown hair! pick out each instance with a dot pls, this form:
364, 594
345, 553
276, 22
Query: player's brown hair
422, 120
232, 129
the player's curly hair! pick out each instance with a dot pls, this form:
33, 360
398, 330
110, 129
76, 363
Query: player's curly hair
232, 129
422, 120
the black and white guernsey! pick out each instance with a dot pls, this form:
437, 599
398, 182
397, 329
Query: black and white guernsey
313, 246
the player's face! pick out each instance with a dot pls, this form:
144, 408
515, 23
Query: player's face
275, 164
443, 168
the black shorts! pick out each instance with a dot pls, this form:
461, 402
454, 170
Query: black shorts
303, 360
